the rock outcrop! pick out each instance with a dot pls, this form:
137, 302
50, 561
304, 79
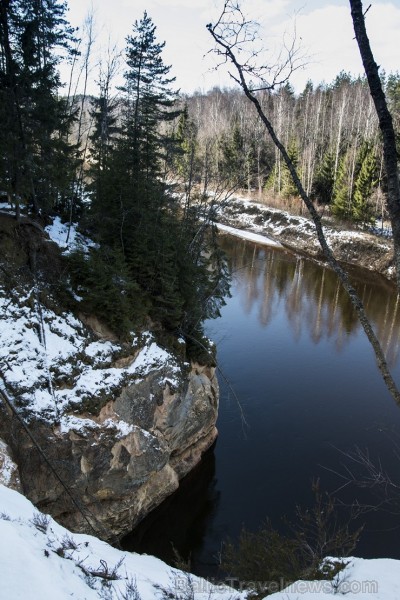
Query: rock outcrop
120, 464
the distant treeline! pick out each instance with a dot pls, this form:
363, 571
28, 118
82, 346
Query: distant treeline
331, 133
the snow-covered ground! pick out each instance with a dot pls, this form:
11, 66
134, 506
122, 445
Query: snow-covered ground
248, 235
52, 363
61, 232
359, 247
41, 560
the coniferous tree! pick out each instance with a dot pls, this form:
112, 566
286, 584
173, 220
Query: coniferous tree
288, 189
32, 36
324, 179
171, 267
342, 190
364, 185
235, 161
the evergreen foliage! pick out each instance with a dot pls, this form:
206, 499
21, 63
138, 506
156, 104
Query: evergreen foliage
168, 260
107, 290
235, 162
365, 183
342, 190
324, 179
288, 188
35, 158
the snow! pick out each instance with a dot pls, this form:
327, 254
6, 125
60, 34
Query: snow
260, 217
7, 466
41, 560
372, 579
247, 235
58, 233
51, 362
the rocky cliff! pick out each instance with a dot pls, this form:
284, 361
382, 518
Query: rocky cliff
120, 464
101, 430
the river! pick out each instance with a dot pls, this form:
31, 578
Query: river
303, 391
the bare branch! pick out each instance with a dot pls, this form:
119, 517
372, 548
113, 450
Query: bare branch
361, 471
242, 37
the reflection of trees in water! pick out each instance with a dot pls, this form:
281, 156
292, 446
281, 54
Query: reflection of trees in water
312, 296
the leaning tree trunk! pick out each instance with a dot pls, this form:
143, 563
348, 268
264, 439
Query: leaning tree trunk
385, 125
226, 49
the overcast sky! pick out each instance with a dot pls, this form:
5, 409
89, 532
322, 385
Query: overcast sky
325, 29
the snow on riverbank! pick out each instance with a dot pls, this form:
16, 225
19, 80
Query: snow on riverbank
357, 247
42, 560
247, 235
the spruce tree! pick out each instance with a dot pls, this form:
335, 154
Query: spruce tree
365, 182
324, 179
342, 190
235, 157
288, 188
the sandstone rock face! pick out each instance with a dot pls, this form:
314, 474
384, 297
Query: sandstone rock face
122, 463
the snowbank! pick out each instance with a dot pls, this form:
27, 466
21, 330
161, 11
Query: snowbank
247, 235
360, 248
42, 560
372, 579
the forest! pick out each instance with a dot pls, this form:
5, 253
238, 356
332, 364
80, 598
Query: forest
136, 166
331, 133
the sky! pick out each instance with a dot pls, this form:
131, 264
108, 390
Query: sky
323, 28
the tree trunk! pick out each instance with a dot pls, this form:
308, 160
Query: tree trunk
385, 125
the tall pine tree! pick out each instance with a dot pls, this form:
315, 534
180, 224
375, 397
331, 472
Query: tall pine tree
365, 182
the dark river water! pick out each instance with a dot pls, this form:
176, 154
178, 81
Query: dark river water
303, 391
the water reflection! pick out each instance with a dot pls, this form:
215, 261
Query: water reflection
181, 521
313, 298
292, 348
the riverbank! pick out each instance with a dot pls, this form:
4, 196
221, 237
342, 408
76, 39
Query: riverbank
357, 248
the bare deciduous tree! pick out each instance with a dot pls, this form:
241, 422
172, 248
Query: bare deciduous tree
234, 38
